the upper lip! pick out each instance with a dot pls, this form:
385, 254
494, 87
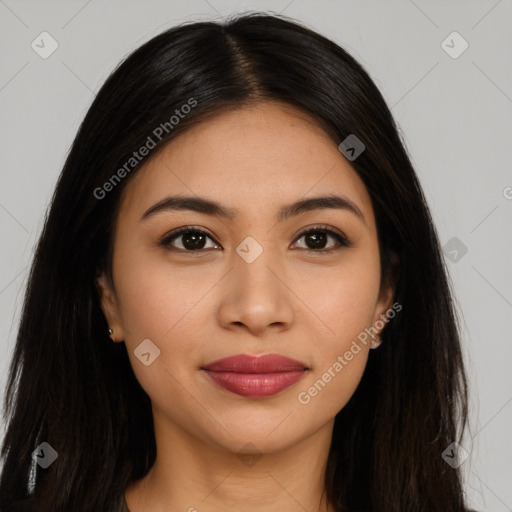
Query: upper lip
244, 363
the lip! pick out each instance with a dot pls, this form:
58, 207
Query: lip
255, 376
244, 363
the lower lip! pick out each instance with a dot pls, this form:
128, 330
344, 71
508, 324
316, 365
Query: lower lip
256, 385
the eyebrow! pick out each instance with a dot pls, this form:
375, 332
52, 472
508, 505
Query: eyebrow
209, 207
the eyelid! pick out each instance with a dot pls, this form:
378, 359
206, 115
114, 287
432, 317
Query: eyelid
320, 227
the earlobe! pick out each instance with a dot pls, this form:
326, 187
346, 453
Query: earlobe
376, 341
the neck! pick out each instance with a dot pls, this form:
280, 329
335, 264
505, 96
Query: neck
191, 474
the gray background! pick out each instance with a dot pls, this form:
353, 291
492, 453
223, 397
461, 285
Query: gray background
455, 115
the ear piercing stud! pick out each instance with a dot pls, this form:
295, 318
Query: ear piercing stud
110, 332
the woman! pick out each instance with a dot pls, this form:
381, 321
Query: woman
239, 216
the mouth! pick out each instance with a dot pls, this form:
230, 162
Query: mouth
255, 377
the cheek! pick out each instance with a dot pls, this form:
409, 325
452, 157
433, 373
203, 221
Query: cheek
344, 298
345, 304
330, 388
155, 296
161, 304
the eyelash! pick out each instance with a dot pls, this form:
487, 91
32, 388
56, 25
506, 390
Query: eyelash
342, 240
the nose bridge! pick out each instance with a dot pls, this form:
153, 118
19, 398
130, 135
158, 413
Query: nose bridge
255, 296
254, 262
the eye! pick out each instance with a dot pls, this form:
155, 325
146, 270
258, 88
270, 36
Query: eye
193, 239
317, 237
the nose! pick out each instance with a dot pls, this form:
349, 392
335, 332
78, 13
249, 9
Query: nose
256, 296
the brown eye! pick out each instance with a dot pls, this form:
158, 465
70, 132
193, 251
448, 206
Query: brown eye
317, 238
192, 239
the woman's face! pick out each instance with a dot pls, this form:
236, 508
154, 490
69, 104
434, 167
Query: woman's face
254, 284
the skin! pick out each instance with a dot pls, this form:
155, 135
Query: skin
200, 306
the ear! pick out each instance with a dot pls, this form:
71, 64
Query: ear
384, 303
109, 306
385, 300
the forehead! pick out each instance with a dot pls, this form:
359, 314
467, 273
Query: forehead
249, 158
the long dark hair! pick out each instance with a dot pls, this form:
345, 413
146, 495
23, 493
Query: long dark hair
70, 386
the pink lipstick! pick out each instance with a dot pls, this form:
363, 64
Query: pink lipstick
255, 376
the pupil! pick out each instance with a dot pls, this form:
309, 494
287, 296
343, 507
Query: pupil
318, 240
193, 241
